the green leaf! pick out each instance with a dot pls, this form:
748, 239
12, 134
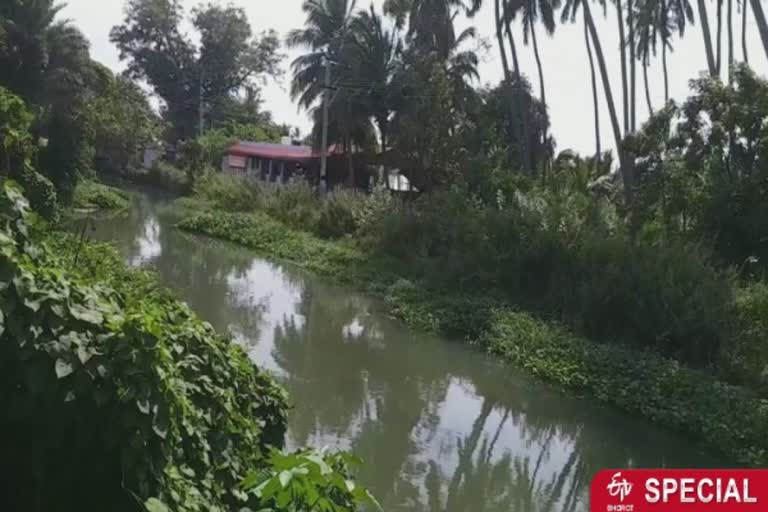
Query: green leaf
155, 505
63, 368
285, 478
251, 480
143, 406
90, 315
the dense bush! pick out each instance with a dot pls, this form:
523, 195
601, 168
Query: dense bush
17, 151
263, 233
337, 214
703, 169
94, 195
746, 355
106, 399
549, 254
40, 191
163, 176
689, 401
229, 193
69, 153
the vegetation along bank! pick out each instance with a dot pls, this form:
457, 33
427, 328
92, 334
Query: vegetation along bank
458, 296
114, 395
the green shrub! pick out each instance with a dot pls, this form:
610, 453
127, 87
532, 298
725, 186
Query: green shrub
745, 357
230, 193
106, 401
295, 203
40, 191
94, 195
561, 256
263, 233
309, 480
371, 212
337, 214
689, 401
163, 176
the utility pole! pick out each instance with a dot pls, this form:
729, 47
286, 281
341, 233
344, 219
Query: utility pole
326, 101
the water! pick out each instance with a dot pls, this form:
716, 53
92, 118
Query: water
440, 427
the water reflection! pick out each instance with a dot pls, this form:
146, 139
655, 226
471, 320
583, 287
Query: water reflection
441, 428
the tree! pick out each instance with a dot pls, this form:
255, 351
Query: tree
123, 123
658, 20
375, 56
511, 8
595, 102
623, 61
744, 11
430, 22
499, 20
25, 24
645, 32
569, 11
54, 74
532, 12
326, 32
632, 66
705, 32
188, 77
490, 130
762, 26
425, 128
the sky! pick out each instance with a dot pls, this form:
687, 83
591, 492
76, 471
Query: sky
566, 68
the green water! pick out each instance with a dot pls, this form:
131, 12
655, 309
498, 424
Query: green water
440, 427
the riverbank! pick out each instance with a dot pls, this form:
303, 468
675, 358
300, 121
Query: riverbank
730, 419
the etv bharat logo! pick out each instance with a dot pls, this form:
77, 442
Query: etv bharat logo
620, 488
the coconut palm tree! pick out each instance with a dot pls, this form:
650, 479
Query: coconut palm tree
36, 46
674, 16
623, 61
569, 12
705, 32
595, 101
632, 66
375, 57
430, 22
744, 11
762, 26
645, 32
326, 34
730, 38
718, 59
499, 21
661, 19
510, 11
532, 12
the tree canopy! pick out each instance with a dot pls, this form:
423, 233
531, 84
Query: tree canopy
191, 78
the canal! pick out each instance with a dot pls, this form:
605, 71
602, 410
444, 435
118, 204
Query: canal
440, 427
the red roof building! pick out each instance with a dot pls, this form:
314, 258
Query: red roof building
279, 162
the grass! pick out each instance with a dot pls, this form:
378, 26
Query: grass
733, 420
92, 195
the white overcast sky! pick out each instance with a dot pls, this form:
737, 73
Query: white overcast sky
566, 69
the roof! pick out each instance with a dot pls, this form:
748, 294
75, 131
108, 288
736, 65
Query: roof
280, 151
273, 151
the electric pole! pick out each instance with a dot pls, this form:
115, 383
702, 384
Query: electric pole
326, 101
